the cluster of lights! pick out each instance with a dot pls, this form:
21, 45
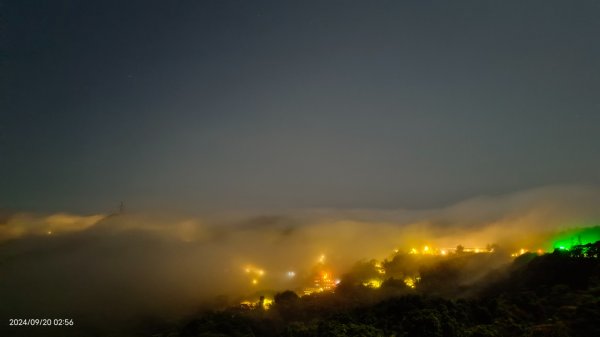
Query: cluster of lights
525, 250
263, 303
411, 282
324, 281
375, 282
379, 268
427, 250
255, 273
372, 283
520, 252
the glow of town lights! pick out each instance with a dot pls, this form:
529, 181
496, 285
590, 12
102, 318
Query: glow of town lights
372, 283
255, 272
520, 252
323, 280
267, 303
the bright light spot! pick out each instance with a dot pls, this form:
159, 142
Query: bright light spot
372, 283
443, 252
254, 281
520, 252
323, 281
253, 271
413, 251
426, 248
410, 282
322, 258
291, 274
267, 302
49, 232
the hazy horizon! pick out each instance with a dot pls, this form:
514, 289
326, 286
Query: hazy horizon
184, 260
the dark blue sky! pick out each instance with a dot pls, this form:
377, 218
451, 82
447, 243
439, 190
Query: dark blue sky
239, 104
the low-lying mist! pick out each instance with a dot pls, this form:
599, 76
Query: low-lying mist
124, 265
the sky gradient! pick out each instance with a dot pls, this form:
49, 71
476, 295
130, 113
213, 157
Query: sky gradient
199, 105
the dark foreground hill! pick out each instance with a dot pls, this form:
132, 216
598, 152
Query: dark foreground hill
554, 294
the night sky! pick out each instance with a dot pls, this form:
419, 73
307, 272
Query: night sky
200, 105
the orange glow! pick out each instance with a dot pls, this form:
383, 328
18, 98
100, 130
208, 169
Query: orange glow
520, 252
256, 272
